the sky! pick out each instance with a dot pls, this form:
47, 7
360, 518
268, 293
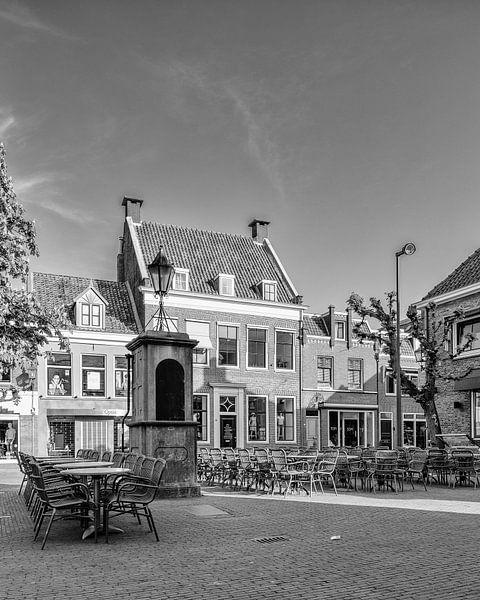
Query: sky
351, 125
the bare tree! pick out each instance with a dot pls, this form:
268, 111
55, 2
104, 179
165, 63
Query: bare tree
432, 336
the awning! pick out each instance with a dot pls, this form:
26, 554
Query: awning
200, 331
469, 382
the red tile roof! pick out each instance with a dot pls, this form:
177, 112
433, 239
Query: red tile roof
206, 254
53, 291
468, 273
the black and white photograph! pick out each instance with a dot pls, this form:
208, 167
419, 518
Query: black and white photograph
239, 299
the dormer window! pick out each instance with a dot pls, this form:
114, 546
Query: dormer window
226, 285
91, 315
181, 280
90, 309
268, 289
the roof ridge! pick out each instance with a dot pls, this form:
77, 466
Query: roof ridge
77, 277
189, 228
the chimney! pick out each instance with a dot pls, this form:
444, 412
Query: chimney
120, 263
132, 208
259, 229
349, 327
331, 315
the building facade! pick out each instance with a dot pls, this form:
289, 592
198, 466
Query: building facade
349, 390
79, 400
458, 397
232, 294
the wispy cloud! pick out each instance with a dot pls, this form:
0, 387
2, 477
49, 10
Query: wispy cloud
21, 15
43, 191
249, 105
7, 121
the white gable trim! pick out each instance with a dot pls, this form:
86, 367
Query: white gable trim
269, 247
82, 295
136, 246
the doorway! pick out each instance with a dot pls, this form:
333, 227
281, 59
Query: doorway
350, 431
228, 431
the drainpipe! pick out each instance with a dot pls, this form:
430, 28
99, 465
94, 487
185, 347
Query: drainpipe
303, 413
129, 368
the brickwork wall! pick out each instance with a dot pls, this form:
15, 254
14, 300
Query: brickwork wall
455, 420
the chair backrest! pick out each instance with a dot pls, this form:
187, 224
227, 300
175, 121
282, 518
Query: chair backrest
145, 469
279, 459
117, 459
418, 460
229, 454
261, 454
244, 458
327, 460
81, 453
106, 456
94, 455
216, 457
158, 470
130, 460
463, 459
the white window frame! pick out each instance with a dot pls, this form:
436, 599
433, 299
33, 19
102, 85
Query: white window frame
99, 369
277, 440
265, 368
237, 327
182, 272
456, 341
344, 337
222, 280
390, 373
264, 285
265, 441
90, 306
207, 350
207, 416
53, 366
294, 350
362, 374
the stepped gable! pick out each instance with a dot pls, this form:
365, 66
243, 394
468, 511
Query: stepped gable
468, 273
206, 254
52, 291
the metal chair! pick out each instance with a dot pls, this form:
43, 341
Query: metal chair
417, 467
134, 497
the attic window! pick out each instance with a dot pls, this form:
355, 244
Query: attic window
226, 285
181, 280
268, 290
90, 309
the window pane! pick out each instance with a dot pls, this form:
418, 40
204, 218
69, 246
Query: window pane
120, 362
200, 415
284, 350
257, 348
227, 345
121, 382
257, 418
285, 419
199, 356
90, 360
59, 382
93, 383
59, 358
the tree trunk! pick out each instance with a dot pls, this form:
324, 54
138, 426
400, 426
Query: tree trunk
433, 422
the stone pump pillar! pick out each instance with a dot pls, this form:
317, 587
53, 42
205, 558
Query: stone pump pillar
162, 423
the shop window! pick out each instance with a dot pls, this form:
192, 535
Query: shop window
257, 348
257, 418
200, 414
93, 375
62, 436
414, 430
285, 418
284, 348
59, 374
121, 376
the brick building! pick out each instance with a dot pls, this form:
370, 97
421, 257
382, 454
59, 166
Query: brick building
458, 398
349, 391
79, 398
232, 294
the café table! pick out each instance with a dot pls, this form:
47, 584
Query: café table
96, 474
86, 464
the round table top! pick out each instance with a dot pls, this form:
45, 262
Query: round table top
95, 471
86, 464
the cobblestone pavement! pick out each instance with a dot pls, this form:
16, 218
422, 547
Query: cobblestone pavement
227, 546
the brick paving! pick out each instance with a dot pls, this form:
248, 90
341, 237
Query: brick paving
209, 550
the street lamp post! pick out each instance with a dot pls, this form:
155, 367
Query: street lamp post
408, 249
161, 272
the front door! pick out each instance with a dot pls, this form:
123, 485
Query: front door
228, 431
350, 429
